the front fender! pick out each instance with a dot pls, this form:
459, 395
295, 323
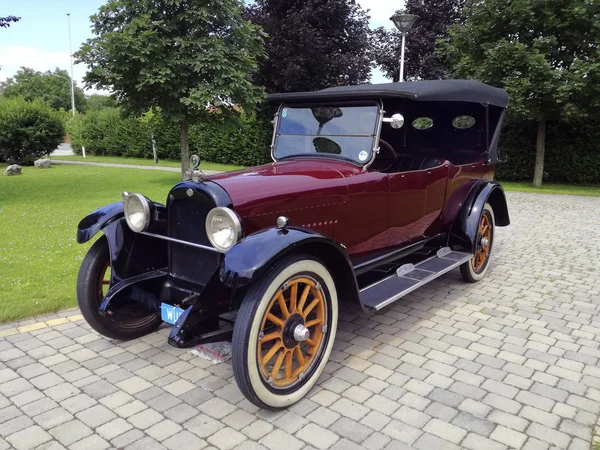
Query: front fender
99, 219
464, 228
248, 259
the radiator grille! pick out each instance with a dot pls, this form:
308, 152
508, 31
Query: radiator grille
187, 219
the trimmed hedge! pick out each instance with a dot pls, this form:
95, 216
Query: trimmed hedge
28, 130
108, 132
572, 149
242, 140
572, 152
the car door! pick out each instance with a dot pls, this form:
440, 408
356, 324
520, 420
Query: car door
406, 206
367, 217
436, 185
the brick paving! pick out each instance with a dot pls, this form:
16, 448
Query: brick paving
511, 362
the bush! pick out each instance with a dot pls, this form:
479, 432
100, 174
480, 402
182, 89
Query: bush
28, 130
572, 152
243, 140
108, 132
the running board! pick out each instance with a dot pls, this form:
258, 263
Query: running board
410, 277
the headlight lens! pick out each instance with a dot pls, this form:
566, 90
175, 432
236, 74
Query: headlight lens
137, 212
223, 228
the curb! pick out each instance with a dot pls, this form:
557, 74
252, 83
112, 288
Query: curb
39, 325
127, 166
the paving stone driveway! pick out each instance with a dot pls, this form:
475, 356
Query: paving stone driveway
511, 362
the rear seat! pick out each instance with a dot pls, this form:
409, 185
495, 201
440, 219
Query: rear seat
408, 163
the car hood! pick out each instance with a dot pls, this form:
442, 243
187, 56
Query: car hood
261, 194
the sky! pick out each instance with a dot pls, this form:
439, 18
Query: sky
40, 40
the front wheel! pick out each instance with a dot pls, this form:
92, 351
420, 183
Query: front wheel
284, 332
475, 269
129, 321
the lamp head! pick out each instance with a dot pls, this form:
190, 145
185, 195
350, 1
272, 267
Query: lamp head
404, 22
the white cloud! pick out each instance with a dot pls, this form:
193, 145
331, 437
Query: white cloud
381, 11
13, 57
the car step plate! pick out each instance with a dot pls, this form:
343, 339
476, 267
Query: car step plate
390, 289
170, 313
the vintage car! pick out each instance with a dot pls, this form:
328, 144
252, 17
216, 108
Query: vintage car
374, 190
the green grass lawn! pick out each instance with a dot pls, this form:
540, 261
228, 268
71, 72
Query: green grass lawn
551, 188
146, 162
39, 213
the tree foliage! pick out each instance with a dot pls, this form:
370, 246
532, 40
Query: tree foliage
96, 102
312, 44
178, 55
545, 53
6, 21
421, 59
54, 88
28, 130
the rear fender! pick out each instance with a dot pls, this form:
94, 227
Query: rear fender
248, 260
464, 228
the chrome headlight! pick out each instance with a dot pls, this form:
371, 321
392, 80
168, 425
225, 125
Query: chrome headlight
223, 228
138, 212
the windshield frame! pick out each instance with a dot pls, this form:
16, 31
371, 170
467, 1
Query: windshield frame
375, 135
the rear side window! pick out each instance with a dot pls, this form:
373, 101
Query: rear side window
422, 123
463, 122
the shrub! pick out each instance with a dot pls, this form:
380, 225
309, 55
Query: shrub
108, 132
28, 130
572, 152
242, 139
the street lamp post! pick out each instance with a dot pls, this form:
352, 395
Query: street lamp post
403, 23
71, 58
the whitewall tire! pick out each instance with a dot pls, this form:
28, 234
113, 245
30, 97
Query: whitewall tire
284, 332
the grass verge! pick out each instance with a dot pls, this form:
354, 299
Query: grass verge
551, 188
39, 213
145, 162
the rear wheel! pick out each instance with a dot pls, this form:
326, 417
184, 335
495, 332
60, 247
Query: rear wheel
126, 322
475, 269
284, 332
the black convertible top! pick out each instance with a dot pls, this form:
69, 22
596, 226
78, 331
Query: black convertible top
430, 90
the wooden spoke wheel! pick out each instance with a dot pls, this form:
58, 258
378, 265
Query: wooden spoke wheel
284, 332
292, 331
475, 269
130, 320
484, 239
103, 281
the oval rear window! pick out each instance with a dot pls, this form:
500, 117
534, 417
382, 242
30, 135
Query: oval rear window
422, 123
463, 122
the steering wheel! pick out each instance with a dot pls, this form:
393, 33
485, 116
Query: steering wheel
386, 158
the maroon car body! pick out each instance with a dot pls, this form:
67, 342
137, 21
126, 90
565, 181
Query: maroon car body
373, 191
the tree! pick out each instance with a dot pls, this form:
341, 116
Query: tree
545, 53
96, 102
421, 59
6, 21
54, 88
178, 55
312, 44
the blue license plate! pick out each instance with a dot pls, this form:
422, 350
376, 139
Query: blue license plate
170, 313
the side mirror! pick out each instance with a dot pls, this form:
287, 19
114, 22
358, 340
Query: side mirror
396, 121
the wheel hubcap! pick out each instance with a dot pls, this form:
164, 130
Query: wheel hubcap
292, 332
301, 333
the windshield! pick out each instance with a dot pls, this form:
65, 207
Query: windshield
347, 132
